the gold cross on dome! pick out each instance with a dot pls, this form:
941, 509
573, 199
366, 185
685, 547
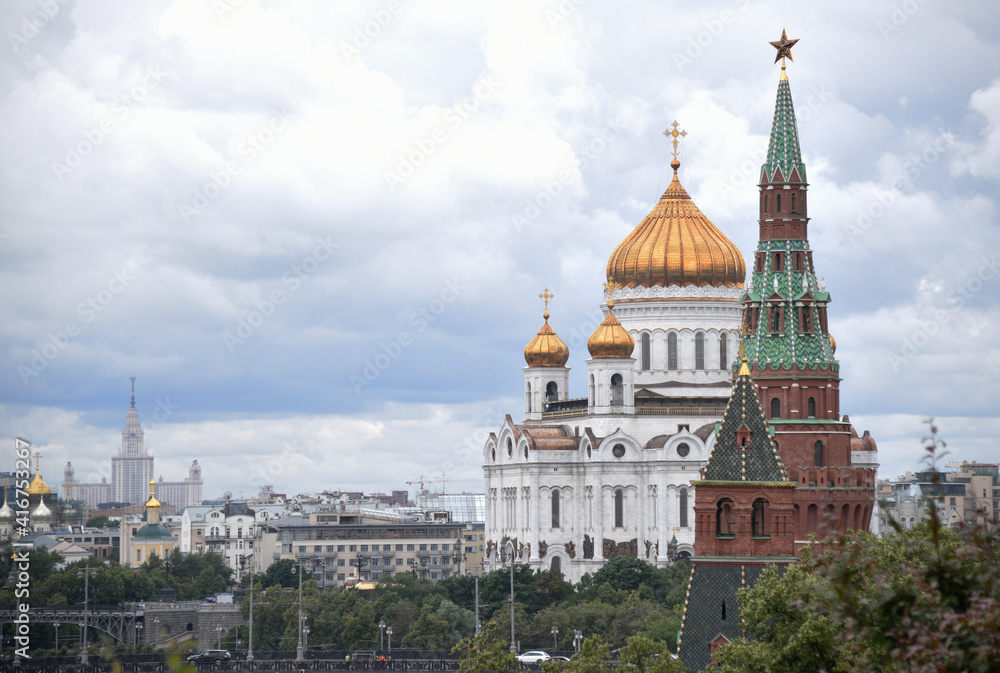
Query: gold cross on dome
674, 133
545, 295
610, 289
38, 455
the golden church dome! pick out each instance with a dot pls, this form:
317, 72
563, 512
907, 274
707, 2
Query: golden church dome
37, 486
610, 339
676, 245
546, 349
833, 343
152, 502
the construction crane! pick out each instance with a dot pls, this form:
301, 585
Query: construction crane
441, 481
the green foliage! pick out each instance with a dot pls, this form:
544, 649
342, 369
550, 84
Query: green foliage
486, 653
100, 522
282, 572
592, 658
643, 655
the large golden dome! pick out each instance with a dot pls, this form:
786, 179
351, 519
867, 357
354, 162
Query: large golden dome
610, 339
676, 245
546, 349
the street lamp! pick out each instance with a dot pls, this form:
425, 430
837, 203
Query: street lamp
138, 633
305, 635
577, 640
388, 632
218, 629
299, 652
86, 574
359, 562
555, 637
56, 626
156, 631
253, 586
381, 631
503, 559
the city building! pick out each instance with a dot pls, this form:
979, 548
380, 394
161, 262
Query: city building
131, 471
341, 548
609, 474
969, 495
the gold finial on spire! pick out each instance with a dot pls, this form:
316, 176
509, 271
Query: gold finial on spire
37, 456
545, 296
675, 134
784, 47
744, 332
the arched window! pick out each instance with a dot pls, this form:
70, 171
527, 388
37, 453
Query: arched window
775, 318
671, 351
818, 451
793, 203
551, 392
555, 509
699, 351
806, 318
765, 204
758, 522
723, 351
644, 344
556, 564
591, 389
724, 520
775, 408
617, 390
723, 610
776, 264
527, 398
619, 509
812, 407
684, 508
777, 200
798, 261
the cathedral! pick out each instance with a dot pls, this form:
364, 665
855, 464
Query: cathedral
620, 472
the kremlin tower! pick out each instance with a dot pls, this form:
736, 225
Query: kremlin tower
785, 465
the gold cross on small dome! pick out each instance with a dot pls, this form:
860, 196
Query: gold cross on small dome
545, 295
610, 289
674, 133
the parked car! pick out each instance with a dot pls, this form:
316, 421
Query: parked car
559, 657
217, 656
533, 657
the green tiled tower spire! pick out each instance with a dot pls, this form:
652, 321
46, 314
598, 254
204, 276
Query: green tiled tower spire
744, 450
785, 303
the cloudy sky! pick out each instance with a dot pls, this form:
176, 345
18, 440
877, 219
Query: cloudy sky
315, 232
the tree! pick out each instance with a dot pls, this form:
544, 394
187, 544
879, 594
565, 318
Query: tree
429, 632
100, 522
592, 658
282, 572
486, 653
625, 574
642, 655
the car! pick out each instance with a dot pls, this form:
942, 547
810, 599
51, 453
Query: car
533, 657
217, 656
559, 657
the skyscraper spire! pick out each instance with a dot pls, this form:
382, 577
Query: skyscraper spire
133, 392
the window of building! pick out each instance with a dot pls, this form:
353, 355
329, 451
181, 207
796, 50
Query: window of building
775, 407
644, 350
683, 449
423, 547
340, 547
619, 508
340, 576
777, 203
409, 547
818, 451
399, 561
724, 520
699, 351
551, 392
364, 547
671, 351
684, 508
340, 562
555, 509
793, 203
399, 547
723, 352
318, 548
758, 521
617, 390
811, 408
434, 547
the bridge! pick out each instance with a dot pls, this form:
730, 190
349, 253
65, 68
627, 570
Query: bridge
117, 622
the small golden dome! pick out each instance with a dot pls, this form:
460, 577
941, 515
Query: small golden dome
37, 486
833, 343
152, 502
610, 339
676, 245
546, 349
